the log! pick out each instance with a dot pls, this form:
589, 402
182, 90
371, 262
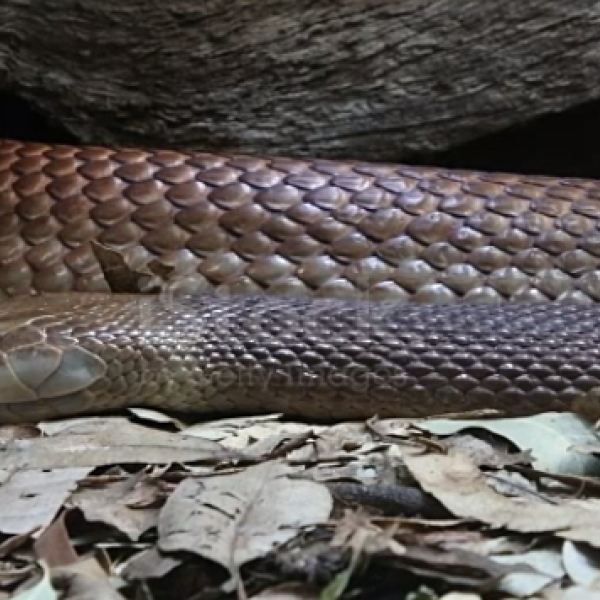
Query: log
368, 79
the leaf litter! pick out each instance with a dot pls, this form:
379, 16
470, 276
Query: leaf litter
262, 507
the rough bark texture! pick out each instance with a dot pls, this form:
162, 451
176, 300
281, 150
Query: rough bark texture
372, 79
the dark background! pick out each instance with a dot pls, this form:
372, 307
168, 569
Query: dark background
562, 144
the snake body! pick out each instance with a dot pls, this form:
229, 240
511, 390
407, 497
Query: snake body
319, 289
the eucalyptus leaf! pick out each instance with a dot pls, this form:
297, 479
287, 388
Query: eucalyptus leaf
549, 437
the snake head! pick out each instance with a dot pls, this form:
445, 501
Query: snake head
39, 370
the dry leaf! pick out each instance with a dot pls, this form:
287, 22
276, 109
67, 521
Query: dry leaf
467, 539
41, 590
241, 432
423, 593
12, 432
456, 567
149, 564
236, 518
364, 472
82, 425
281, 444
288, 591
548, 436
155, 416
546, 567
483, 453
84, 580
15, 542
346, 436
449, 550
344, 443
459, 485
582, 563
356, 530
119, 442
54, 546
109, 505
513, 484
572, 593
31, 499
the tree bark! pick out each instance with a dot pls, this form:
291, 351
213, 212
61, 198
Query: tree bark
369, 79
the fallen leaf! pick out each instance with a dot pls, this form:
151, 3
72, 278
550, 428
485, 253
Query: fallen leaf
571, 593
548, 436
467, 539
483, 453
277, 445
357, 530
31, 499
513, 484
338, 585
398, 429
308, 559
546, 567
236, 518
344, 437
81, 425
41, 590
155, 416
110, 441
149, 564
241, 432
12, 432
461, 487
383, 466
16, 541
85, 580
423, 593
54, 546
289, 591
222, 427
109, 505
455, 567
582, 563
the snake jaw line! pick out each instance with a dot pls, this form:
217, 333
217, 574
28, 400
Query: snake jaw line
12, 388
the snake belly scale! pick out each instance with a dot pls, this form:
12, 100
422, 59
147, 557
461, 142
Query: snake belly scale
315, 288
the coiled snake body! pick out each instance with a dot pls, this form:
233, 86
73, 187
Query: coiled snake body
318, 289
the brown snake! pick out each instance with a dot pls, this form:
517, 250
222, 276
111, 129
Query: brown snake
314, 288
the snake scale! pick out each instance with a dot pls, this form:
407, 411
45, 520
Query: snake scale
315, 288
